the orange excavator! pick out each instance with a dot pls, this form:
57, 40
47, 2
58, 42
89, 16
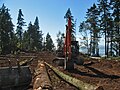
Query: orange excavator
68, 62
70, 51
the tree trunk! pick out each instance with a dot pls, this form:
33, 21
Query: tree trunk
107, 45
111, 45
78, 83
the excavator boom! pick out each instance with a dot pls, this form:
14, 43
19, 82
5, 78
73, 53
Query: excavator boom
67, 44
68, 63
70, 52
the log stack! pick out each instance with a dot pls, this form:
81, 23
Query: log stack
41, 80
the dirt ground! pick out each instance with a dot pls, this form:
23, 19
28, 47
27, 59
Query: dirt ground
104, 73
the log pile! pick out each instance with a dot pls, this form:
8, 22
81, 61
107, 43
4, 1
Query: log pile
41, 80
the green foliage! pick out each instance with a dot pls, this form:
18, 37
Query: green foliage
32, 38
83, 29
60, 40
103, 19
92, 20
38, 35
67, 15
115, 6
36, 23
26, 41
19, 30
49, 43
105, 22
6, 31
29, 40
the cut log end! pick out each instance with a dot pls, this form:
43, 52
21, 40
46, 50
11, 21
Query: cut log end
41, 80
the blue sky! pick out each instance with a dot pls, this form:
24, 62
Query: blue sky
50, 12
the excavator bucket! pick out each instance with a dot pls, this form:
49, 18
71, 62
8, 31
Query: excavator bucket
15, 78
59, 61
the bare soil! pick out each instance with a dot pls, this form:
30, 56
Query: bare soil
104, 73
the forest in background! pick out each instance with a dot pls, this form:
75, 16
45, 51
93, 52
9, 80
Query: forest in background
12, 41
102, 21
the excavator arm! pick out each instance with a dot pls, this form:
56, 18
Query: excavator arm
68, 64
70, 52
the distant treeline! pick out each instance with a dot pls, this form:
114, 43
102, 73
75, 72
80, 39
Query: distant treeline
102, 21
17, 40
14, 41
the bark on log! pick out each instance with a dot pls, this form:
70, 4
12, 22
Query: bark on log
76, 82
41, 80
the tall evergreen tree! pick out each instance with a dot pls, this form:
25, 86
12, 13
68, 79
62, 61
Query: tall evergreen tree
29, 37
92, 20
84, 30
105, 22
115, 6
19, 30
36, 23
6, 30
26, 41
60, 40
67, 15
33, 37
49, 42
38, 39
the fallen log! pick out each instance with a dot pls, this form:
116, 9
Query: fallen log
22, 63
41, 80
75, 82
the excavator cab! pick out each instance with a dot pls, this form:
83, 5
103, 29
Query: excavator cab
75, 53
69, 60
75, 57
74, 48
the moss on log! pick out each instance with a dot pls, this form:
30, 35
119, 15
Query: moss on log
76, 82
22, 63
